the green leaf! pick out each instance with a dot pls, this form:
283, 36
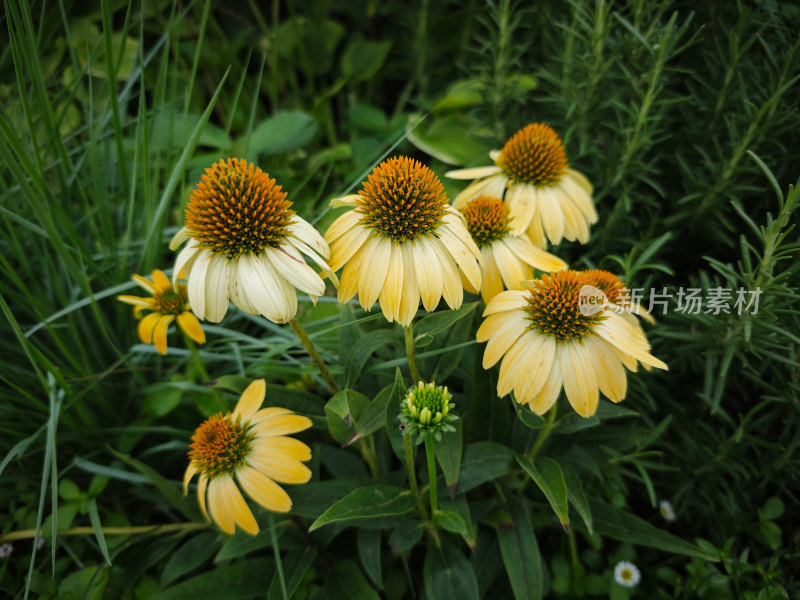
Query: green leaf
392, 412
284, 132
440, 321
546, 473
362, 58
461, 94
375, 416
97, 526
772, 509
451, 521
576, 497
624, 526
356, 357
160, 399
573, 422
166, 487
369, 552
342, 410
369, 506
406, 536
84, 584
448, 574
527, 416
347, 582
520, 553
295, 566
245, 579
448, 453
449, 138
241, 544
483, 461
193, 553
312, 499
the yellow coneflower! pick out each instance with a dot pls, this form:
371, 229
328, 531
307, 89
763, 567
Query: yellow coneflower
246, 245
547, 342
508, 258
250, 447
169, 303
402, 242
532, 175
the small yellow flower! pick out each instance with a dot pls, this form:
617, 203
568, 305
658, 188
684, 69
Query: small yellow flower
508, 258
545, 197
250, 447
546, 341
402, 242
246, 245
169, 303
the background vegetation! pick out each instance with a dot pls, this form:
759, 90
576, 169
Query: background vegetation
682, 114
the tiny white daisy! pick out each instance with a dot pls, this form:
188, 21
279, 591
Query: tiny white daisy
6, 550
626, 574
665, 508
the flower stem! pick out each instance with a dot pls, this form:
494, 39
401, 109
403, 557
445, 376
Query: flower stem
278, 564
312, 352
196, 356
22, 534
412, 474
432, 477
548, 425
367, 447
412, 359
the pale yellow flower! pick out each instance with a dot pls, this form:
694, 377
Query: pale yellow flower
547, 342
508, 258
546, 198
249, 447
168, 303
246, 245
402, 242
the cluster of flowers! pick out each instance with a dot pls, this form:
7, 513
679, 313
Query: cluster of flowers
401, 243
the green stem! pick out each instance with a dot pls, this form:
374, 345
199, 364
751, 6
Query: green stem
22, 534
412, 474
196, 356
432, 477
277, 550
551, 417
312, 352
368, 451
412, 359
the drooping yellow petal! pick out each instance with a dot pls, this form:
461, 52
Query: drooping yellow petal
144, 283
250, 400
187, 477
136, 301
191, 326
219, 505
392, 291
202, 486
146, 325
241, 513
505, 301
160, 333
263, 490
160, 281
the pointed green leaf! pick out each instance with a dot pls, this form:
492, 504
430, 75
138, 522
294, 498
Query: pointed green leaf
166, 487
483, 461
370, 506
448, 574
448, 453
347, 582
392, 414
356, 356
369, 552
245, 579
451, 521
193, 553
375, 416
546, 473
342, 411
576, 497
520, 553
624, 526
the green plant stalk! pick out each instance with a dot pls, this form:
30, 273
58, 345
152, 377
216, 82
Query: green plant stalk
412, 359
277, 550
432, 477
23, 534
312, 352
412, 475
367, 447
540, 439
195, 356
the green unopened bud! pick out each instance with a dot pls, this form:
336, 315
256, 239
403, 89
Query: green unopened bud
426, 411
